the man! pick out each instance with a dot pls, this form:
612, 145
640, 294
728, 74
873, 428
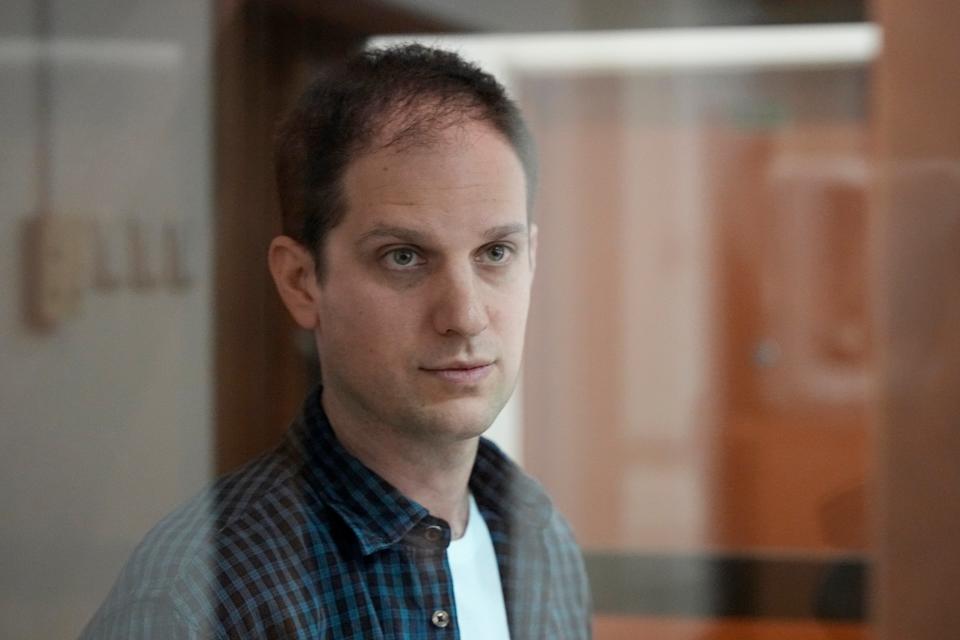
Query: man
405, 178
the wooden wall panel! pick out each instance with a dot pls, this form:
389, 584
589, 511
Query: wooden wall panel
255, 363
917, 197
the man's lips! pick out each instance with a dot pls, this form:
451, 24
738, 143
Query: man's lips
461, 372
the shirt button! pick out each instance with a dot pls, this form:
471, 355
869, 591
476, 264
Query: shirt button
440, 618
433, 534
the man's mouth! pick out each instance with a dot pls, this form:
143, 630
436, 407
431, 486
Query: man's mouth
462, 372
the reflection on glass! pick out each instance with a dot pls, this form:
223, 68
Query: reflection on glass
700, 354
700, 360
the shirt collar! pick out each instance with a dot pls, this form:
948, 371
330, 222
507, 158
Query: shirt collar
504, 491
377, 513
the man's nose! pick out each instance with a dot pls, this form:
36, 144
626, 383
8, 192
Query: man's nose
459, 307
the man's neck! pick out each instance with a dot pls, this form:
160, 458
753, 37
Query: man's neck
432, 474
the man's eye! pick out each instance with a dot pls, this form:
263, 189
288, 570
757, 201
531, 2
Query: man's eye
497, 253
402, 258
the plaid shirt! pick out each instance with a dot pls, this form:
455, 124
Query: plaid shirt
306, 542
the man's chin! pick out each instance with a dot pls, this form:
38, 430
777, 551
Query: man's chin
459, 418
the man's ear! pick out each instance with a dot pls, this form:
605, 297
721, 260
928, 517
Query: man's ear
294, 272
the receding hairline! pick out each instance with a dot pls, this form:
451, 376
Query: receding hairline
424, 122
415, 127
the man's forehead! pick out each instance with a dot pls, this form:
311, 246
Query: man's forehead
474, 170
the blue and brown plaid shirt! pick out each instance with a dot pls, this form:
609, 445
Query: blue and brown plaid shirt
307, 542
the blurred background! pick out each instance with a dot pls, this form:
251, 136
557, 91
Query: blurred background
741, 370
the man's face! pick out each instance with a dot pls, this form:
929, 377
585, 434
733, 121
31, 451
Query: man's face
426, 286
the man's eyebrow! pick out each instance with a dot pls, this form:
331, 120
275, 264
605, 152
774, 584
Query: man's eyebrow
504, 230
416, 237
400, 233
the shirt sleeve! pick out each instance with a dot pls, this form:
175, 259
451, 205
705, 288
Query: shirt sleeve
152, 619
574, 604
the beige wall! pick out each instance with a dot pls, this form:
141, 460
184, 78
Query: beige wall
106, 419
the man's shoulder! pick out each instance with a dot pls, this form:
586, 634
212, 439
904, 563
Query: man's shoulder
264, 495
505, 485
233, 537
503, 482
542, 543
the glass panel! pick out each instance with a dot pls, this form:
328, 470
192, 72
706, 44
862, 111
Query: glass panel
700, 356
105, 376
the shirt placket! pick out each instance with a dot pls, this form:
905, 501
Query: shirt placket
436, 617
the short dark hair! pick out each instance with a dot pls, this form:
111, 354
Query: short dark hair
417, 90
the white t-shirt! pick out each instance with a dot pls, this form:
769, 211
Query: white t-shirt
481, 614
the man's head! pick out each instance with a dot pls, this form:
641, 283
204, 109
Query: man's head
394, 97
420, 220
